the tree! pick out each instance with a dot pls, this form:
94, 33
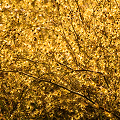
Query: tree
59, 59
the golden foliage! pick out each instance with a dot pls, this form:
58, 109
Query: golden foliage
59, 59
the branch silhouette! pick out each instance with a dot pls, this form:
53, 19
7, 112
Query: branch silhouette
42, 79
81, 70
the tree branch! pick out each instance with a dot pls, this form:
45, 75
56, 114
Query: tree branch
86, 71
38, 80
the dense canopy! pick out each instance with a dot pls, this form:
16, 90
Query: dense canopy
59, 59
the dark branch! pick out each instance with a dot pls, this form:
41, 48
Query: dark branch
38, 80
86, 71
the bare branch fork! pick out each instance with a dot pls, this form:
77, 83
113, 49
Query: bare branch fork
38, 80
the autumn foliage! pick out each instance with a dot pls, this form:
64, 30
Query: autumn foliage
59, 60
